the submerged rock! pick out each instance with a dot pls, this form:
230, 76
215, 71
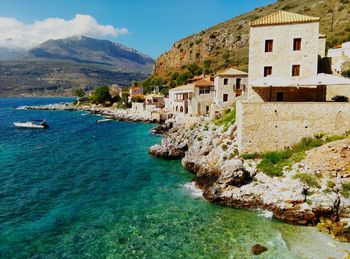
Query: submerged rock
258, 249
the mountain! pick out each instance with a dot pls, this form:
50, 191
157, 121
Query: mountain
93, 51
226, 44
55, 67
8, 54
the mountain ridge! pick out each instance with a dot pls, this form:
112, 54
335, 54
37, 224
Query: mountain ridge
55, 67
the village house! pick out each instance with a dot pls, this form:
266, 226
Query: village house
286, 94
154, 101
340, 57
229, 85
115, 90
135, 91
192, 99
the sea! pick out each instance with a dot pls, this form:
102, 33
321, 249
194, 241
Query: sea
85, 190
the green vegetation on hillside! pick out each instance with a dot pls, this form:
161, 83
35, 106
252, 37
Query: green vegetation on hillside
227, 118
272, 163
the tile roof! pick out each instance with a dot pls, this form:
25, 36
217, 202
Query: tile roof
232, 72
283, 17
188, 87
203, 82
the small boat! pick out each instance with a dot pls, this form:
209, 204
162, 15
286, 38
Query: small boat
37, 124
103, 120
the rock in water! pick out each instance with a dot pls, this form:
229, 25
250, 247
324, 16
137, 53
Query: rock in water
258, 249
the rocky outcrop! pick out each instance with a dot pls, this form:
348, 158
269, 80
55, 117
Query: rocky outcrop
211, 153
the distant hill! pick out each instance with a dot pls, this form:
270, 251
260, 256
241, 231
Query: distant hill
226, 44
57, 66
93, 51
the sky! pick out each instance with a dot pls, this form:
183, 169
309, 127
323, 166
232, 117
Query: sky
150, 26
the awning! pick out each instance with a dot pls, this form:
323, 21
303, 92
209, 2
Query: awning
324, 79
269, 81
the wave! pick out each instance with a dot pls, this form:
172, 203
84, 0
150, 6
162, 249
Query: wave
192, 190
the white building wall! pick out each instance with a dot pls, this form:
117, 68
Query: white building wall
221, 89
282, 58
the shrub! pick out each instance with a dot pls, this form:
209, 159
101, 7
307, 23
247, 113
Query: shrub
346, 190
330, 184
101, 95
224, 147
250, 156
340, 98
227, 118
308, 179
78, 92
138, 99
346, 73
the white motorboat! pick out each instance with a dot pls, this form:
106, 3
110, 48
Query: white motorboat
39, 124
103, 120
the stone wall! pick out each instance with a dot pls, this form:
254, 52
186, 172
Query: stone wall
333, 90
272, 126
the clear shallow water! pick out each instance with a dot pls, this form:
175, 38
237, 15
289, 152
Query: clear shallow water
81, 189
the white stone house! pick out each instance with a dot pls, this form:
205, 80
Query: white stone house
284, 51
229, 85
288, 46
192, 99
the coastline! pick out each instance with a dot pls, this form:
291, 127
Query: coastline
210, 152
108, 112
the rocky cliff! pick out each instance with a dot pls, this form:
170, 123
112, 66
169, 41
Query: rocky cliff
226, 44
313, 190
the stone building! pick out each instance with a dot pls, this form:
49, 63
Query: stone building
288, 46
284, 53
229, 84
192, 99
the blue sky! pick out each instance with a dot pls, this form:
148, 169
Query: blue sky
153, 25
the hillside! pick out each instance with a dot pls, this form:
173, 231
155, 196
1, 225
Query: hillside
56, 67
226, 44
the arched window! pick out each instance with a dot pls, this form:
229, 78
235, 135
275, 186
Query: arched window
181, 109
176, 108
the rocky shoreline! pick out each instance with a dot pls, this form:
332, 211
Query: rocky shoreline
210, 152
108, 112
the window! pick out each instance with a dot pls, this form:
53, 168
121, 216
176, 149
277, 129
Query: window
267, 71
268, 45
238, 83
225, 98
225, 81
207, 109
279, 97
297, 44
296, 70
204, 90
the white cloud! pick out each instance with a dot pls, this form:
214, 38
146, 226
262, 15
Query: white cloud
15, 34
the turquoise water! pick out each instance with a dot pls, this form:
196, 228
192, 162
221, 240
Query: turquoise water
86, 190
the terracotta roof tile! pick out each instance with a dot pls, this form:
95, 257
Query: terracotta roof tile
232, 72
283, 17
203, 82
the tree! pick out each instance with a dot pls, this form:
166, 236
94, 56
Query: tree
78, 92
207, 65
101, 95
346, 73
